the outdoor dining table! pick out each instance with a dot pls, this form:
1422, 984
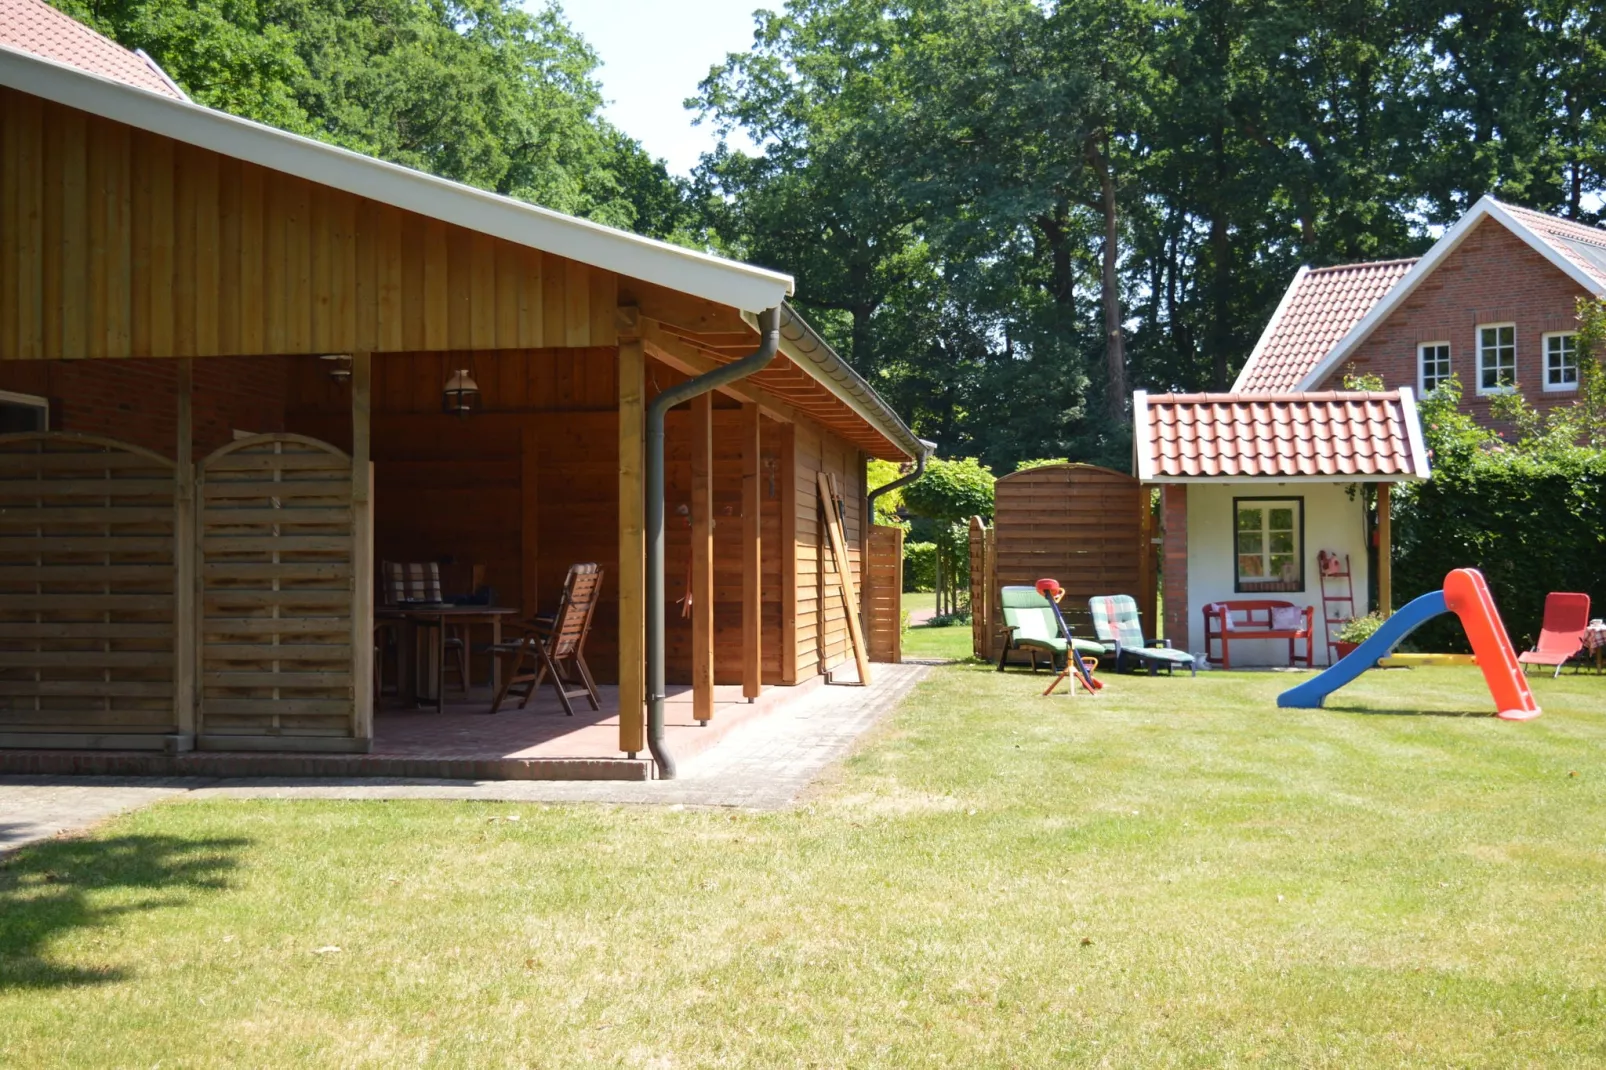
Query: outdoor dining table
433, 618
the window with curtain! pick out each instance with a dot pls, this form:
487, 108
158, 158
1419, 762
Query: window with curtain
1269, 534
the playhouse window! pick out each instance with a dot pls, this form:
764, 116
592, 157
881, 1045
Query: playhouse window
1269, 551
1497, 358
1561, 361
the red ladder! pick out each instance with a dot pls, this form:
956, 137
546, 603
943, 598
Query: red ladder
1330, 617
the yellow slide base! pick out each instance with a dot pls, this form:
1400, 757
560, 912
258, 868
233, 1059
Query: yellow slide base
1408, 661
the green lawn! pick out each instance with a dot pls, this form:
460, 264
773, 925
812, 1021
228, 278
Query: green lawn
1176, 874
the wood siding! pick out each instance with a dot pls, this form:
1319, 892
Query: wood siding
822, 627
883, 594
115, 242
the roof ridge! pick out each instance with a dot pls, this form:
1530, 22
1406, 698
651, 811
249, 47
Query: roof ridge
1366, 264
1587, 231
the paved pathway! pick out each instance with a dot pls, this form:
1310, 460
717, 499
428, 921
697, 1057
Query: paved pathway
765, 764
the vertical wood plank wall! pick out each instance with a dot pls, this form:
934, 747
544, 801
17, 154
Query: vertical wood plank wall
883, 594
115, 242
822, 627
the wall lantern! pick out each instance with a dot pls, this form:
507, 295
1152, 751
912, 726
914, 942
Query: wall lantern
461, 394
338, 365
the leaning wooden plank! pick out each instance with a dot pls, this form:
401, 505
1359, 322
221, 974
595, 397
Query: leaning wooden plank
839, 554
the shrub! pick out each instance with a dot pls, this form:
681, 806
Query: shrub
919, 566
1358, 629
1529, 514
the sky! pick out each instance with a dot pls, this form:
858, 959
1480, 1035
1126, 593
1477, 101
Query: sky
654, 52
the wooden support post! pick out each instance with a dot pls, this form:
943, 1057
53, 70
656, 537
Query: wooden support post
752, 557
702, 557
1385, 552
632, 549
529, 515
186, 545
787, 493
839, 554
362, 552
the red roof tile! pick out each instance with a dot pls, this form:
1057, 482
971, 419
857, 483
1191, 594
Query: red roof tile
1320, 308
36, 27
1578, 242
1344, 435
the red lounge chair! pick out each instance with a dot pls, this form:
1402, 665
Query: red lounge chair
1562, 633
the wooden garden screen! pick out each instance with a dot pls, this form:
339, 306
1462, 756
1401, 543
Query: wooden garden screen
282, 551
88, 581
883, 594
983, 595
1088, 527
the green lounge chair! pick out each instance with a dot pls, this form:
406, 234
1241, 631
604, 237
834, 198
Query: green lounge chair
1029, 625
1115, 619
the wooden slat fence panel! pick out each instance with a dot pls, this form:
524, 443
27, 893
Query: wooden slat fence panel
983, 595
883, 594
87, 606
1080, 524
276, 589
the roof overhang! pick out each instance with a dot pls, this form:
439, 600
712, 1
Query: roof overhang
1486, 208
739, 286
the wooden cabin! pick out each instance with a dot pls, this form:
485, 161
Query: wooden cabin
224, 355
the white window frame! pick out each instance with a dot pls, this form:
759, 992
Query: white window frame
1544, 354
1477, 339
31, 400
1422, 388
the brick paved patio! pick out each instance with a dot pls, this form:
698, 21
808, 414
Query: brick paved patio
464, 742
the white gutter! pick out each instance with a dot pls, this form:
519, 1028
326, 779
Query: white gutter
724, 282
1413, 431
815, 357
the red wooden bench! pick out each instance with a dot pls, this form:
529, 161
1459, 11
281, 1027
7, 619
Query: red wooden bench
1251, 619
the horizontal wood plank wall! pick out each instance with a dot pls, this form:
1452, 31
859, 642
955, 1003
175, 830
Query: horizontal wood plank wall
883, 594
118, 242
1079, 524
276, 589
87, 593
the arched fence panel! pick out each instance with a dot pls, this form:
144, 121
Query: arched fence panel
88, 582
278, 559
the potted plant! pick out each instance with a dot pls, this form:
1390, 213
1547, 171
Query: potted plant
1355, 631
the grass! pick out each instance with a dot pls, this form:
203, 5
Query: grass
1174, 874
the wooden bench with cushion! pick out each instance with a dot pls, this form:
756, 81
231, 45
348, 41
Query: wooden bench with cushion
1258, 619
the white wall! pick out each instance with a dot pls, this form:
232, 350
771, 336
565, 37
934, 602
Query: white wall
1332, 522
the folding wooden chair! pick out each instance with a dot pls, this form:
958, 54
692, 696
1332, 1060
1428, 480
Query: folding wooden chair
554, 647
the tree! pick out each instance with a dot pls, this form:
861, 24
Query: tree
949, 493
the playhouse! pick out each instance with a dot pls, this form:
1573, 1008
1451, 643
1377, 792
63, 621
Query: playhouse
1275, 514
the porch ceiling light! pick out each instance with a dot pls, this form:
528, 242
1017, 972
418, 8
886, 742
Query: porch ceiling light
461, 394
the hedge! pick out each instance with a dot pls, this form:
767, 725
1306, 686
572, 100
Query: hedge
1531, 524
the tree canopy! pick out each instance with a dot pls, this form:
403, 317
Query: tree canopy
1008, 213
484, 92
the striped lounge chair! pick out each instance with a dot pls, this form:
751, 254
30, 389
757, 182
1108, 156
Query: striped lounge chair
1115, 619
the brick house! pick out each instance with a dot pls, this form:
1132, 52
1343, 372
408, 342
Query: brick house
1493, 301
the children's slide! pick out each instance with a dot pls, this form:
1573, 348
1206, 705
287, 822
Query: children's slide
1467, 596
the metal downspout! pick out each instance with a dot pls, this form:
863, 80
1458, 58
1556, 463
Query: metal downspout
927, 449
769, 327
